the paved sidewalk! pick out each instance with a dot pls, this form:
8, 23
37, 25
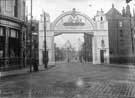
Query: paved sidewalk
115, 65
21, 71
14, 72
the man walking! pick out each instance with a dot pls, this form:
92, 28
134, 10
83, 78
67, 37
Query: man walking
45, 59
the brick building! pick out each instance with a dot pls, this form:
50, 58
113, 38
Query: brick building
121, 41
12, 33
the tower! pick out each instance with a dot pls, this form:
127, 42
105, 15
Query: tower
128, 13
123, 12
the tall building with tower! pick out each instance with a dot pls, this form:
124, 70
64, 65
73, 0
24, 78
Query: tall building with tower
121, 35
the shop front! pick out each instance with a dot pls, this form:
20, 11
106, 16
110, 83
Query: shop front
11, 43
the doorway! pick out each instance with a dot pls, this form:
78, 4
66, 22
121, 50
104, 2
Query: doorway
102, 56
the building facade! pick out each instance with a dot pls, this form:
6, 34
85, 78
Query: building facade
12, 34
121, 39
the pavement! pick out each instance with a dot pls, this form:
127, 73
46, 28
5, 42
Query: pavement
21, 71
72, 80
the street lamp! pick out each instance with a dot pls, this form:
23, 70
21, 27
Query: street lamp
45, 51
31, 39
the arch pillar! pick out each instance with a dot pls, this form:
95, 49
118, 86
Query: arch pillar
50, 47
49, 40
100, 45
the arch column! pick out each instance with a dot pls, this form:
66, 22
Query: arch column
96, 59
50, 47
98, 38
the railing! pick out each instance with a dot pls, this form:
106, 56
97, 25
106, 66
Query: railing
10, 63
14, 61
7, 64
2, 62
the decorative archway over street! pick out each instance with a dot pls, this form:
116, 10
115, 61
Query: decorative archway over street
76, 22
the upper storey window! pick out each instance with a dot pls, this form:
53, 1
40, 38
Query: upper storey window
16, 8
1, 31
101, 18
120, 23
8, 5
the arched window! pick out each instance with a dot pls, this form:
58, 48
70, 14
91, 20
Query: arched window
101, 18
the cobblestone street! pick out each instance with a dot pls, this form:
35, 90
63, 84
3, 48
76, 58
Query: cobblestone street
72, 80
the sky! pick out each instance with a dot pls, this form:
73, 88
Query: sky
56, 7
89, 7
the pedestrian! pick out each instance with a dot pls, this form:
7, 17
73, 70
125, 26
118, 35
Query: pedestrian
35, 65
45, 60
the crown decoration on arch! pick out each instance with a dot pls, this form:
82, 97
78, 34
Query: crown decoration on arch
73, 13
74, 20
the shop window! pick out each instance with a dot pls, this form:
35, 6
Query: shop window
13, 33
1, 53
1, 31
17, 34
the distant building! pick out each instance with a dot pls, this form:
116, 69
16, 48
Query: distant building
12, 34
121, 39
70, 52
35, 41
121, 30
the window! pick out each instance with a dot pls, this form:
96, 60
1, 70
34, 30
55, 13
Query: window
1, 31
120, 23
13, 33
102, 43
101, 18
121, 33
16, 9
8, 5
1, 53
102, 25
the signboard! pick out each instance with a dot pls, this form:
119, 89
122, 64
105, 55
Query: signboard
9, 23
76, 22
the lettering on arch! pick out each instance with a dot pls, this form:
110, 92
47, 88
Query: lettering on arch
72, 21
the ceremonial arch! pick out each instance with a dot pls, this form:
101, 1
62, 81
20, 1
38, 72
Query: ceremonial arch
76, 22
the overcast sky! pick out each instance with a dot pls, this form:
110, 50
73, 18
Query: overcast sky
56, 7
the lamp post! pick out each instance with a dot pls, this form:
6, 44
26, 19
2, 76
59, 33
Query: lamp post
45, 51
31, 39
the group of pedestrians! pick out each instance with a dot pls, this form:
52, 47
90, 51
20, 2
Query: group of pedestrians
35, 65
34, 62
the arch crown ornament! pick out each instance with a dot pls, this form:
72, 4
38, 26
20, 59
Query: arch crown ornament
73, 21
